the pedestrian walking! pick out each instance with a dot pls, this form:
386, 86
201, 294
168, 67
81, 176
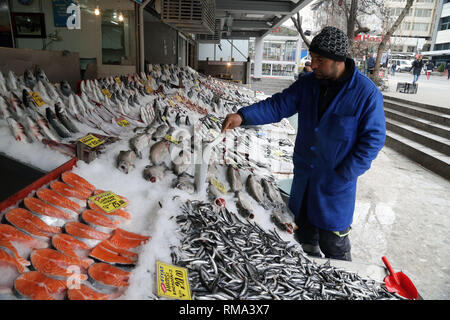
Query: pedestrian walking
448, 70
417, 67
342, 128
371, 63
394, 67
430, 67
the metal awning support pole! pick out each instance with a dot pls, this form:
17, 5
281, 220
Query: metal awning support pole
259, 48
141, 36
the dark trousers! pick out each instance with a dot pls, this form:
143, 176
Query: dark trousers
333, 244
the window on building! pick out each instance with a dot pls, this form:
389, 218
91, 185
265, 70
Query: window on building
411, 49
420, 26
424, 13
444, 23
442, 46
406, 26
118, 38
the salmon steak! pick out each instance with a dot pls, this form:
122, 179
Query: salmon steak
127, 240
47, 213
116, 213
76, 181
72, 247
108, 275
86, 293
108, 253
11, 238
27, 222
99, 221
8, 260
87, 234
57, 200
69, 191
37, 286
55, 264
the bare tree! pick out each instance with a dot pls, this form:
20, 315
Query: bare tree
387, 37
348, 10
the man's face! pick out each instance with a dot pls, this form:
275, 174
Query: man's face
324, 68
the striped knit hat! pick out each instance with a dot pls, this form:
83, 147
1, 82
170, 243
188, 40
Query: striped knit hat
331, 43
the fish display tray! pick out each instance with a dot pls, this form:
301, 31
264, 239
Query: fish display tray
53, 175
195, 16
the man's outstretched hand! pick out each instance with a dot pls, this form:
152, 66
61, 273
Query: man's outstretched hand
231, 121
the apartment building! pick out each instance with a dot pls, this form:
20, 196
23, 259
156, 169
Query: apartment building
416, 30
440, 48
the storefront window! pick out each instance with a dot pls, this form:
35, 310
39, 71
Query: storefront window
118, 38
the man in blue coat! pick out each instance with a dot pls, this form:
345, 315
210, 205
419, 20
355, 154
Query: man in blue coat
341, 129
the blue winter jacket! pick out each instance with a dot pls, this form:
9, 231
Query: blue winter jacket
329, 154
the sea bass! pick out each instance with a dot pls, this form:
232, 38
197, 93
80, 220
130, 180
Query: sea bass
126, 160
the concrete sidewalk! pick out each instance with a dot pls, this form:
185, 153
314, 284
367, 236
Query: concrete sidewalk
435, 91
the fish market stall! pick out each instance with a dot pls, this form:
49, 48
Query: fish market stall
96, 229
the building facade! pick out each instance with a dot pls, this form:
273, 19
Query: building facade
415, 33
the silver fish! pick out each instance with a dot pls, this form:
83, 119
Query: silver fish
185, 183
271, 191
56, 124
60, 114
126, 160
234, 178
29, 79
284, 219
17, 130
139, 142
255, 189
181, 163
159, 152
160, 132
244, 205
155, 173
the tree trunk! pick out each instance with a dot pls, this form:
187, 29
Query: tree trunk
387, 37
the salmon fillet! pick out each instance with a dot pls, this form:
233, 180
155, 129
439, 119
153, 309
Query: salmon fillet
56, 264
109, 275
76, 181
38, 286
127, 240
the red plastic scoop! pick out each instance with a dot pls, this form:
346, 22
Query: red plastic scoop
399, 283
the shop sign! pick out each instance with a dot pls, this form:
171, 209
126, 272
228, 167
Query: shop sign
172, 282
108, 201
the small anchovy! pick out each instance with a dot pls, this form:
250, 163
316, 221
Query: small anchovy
230, 258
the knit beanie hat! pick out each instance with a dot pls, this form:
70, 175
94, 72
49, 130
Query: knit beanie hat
330, 43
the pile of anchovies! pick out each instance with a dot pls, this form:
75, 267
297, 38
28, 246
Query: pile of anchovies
229, 258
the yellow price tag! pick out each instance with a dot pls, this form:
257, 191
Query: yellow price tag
119, 82
108, 201
37, 99
91, 141
179, 98
172, 281
168, 137
106, 93
171, 103
148, 89
122, 122
218, 185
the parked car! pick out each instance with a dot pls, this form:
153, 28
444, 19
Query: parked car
403, 65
